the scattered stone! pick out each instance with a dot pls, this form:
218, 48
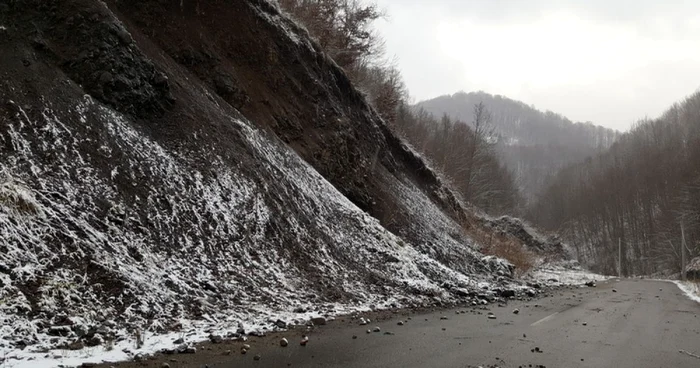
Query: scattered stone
585, 323
59, 331
377, 329
76, 345
227, 352
363, 322
354, 337
281, 324
614, 290
216, 339
507, 293
444, 329
491, 316
443, 318
95, 340
165, 365
318, 321
516, 311
400, 323
369, 331
256, 357
284, 342
189, 350
590, 284
304, 340
246, 346
106, 77
244, 350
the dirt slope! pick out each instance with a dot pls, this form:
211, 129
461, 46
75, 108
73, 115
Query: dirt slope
162, 164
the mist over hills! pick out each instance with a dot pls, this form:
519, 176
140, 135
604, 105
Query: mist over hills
533, 144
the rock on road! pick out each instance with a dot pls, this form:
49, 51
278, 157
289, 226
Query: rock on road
642, 324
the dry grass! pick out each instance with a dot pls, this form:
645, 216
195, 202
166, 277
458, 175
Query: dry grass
502, 246
17, 199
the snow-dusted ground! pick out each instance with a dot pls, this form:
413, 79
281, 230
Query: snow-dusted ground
567, 272
167, 248
106, 230
192, 332
151, 240
689, 288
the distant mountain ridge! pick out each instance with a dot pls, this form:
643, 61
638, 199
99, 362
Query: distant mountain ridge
533, 144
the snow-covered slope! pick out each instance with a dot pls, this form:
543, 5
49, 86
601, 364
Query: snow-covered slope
137, 197
216, 245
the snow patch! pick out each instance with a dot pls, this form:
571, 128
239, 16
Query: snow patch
567, 272
690, 289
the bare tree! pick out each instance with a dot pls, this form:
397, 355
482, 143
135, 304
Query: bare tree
637, 192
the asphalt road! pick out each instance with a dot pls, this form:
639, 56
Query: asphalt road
642, 324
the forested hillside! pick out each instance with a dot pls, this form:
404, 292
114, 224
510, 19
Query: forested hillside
638, 192
532, 144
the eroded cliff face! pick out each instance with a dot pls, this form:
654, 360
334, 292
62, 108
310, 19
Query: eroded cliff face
162, 163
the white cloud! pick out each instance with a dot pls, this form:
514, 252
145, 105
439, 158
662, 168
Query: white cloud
582, 62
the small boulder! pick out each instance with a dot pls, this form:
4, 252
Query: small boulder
507, 293
216, 339
284, 342
95, 340
189, 350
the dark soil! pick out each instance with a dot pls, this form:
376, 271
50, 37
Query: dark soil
182, 76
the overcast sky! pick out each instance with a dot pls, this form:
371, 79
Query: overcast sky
611, 62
